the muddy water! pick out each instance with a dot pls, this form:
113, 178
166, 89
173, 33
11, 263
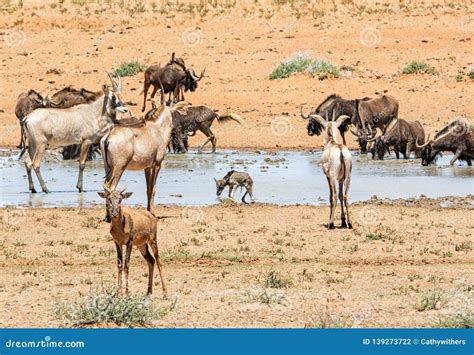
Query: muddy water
284, 178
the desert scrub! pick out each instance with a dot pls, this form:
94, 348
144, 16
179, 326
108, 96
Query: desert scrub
471, 74
131, 68
265, 297
102, 305
456, 320
330, 321
274, 280
432, 299
302, 63
415, 67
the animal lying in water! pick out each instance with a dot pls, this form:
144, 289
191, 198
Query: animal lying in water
235, 179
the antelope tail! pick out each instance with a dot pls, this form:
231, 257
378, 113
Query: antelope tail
343, 167
229, 117
23, 146
108, 169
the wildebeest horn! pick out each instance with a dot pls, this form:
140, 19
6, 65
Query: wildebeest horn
371, 139
193, 74
202, 74
302, 115
428, 141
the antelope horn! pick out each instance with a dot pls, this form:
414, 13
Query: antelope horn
428, 141
123, 190
354, 133
106, 188
333, 117
114, 84
162, 92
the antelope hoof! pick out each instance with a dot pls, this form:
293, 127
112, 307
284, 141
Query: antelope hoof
349, 225
33, 190
45, 190
331, 226
343, 224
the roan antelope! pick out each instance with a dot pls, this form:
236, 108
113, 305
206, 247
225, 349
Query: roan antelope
336, 162
132, 227
83, 124
139, 147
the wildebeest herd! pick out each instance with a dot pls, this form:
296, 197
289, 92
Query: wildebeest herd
81, 121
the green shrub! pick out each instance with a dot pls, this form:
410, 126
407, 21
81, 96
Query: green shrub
131, 68
301, 63
415, 67
330, 321
104, 306
459, 77
471, 74
274, 280
456, 320
433, 299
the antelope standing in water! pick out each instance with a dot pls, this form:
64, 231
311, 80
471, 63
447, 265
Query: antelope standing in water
336, 162
138, 147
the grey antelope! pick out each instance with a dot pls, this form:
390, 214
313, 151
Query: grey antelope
131, 227
83, 124
139, 147
336, 162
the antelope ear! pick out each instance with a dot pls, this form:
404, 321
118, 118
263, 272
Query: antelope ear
215, 179
105, 89
319, 119
340, 120
127, 194
102, 194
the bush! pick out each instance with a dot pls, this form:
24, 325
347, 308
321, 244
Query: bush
415, 67
131, 68
433, 299
330, 321
104, 306
274, 280
471, 74
457, 320
301, 63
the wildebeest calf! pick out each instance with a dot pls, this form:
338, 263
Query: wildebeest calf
235, 179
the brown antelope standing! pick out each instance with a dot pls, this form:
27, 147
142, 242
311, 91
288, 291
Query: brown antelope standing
139, 147
83, 124
131, 227
336, 162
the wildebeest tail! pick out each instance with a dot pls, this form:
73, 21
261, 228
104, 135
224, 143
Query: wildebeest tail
230, 117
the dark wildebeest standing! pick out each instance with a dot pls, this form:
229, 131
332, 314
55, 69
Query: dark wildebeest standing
457, 137
401, 136
335, 106
174, 77
190, 119
235, 179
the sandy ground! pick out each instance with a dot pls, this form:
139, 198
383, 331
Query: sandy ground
240, 44
216, 268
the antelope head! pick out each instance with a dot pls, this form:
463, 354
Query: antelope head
331, 127
114, 99
113, 200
